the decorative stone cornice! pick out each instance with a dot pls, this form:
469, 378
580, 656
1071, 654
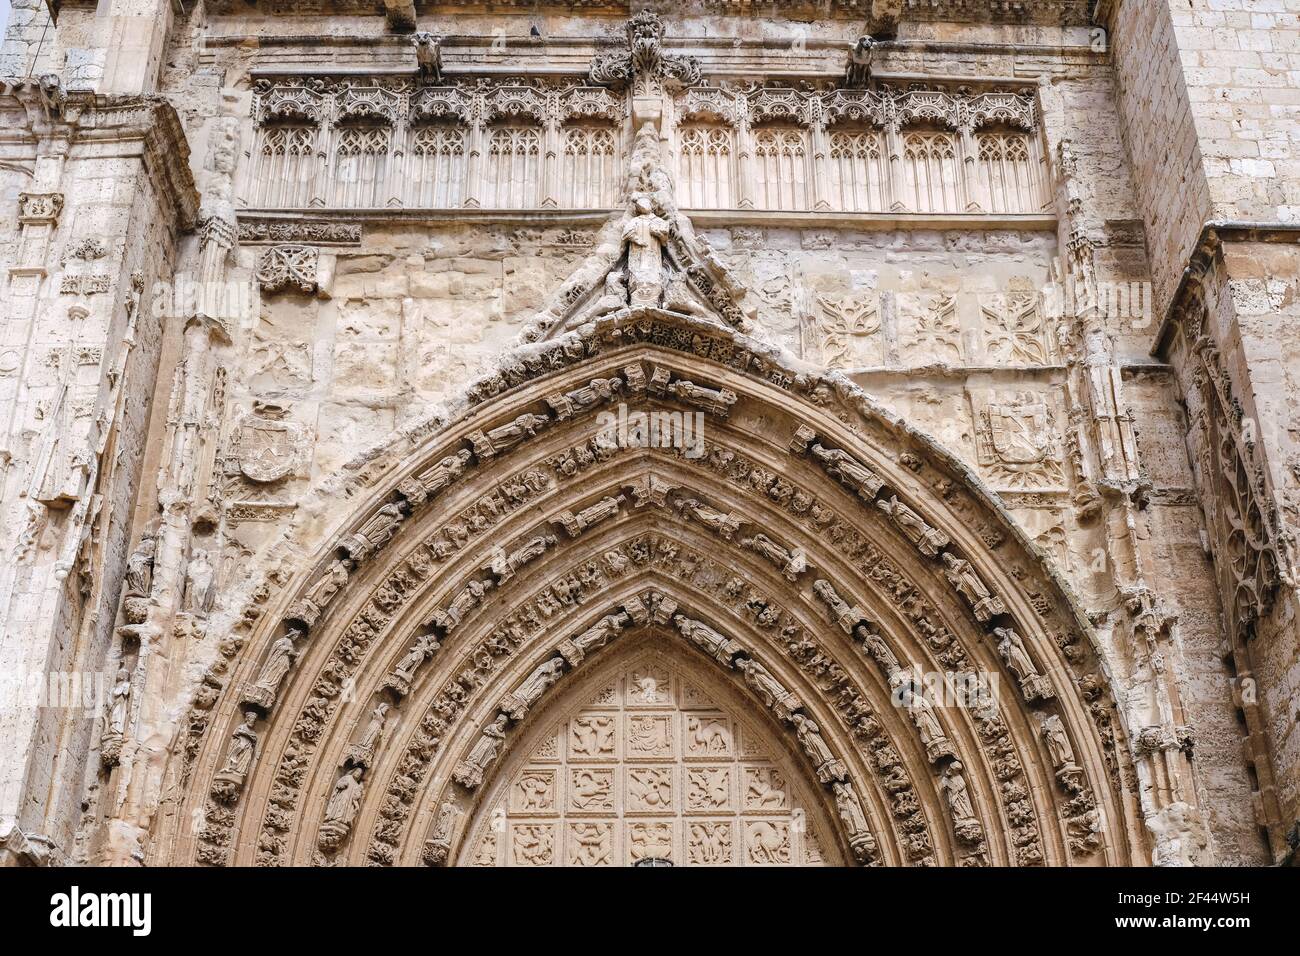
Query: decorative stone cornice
82, 117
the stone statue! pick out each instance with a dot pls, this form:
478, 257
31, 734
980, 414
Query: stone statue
505, 565
504, 437
322, 591
198, 586
110, 742
717, 401
791, 564
575, 524
1012, 651
229, 781
139, 567
919, 710
465, 600
121, 697
963, 577
469, 772
723, 524
341, 809
376, 532
534, 686
707, 639
927, 540
278, 661
849, 807
829, 767
402, 675
953, 785
643, 237
847, 617
847, 470
441, 475
346, 798
875, 645
595, 392
1058, 747
436, 848
772, 692
361, 753
595, 637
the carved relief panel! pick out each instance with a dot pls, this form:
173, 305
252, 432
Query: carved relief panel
649, 767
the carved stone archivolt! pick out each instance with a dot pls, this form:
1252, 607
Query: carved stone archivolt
477, 580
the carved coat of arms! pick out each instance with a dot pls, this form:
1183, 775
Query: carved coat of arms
265, 448
1015, 441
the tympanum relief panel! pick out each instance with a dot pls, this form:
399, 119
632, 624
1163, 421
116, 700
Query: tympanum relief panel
651, 765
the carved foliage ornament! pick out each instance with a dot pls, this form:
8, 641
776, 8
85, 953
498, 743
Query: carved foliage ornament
644, 62
288, 267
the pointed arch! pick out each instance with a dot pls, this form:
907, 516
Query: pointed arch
842, 551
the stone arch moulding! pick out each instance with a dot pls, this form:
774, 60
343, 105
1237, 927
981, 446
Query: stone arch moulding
826, 557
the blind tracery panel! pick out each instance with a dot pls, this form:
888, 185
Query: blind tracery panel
589, 169
1009, 173
858, 175
706, 156
534, 143
781, 168
514, 169
286, 166
436, 167
930, 172
361, 166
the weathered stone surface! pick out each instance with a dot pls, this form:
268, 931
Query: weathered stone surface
298, 357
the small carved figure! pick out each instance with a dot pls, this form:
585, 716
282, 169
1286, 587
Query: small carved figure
139, 567
229, 781
469, 772
376, 532
438, 845
278, 661
962, 576
724, 525
717, 401
773, 693
575, 649
1012, 651
402, 675
198, 586
505, 565
846, 469
346, 798
362, 752
849, 807
919, 710
596, 392
829, 767
531, 690
575, 524
707, 639
504, 437
441, 475
1060, 750
929, 541
875, 645
791, 563
847, 617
